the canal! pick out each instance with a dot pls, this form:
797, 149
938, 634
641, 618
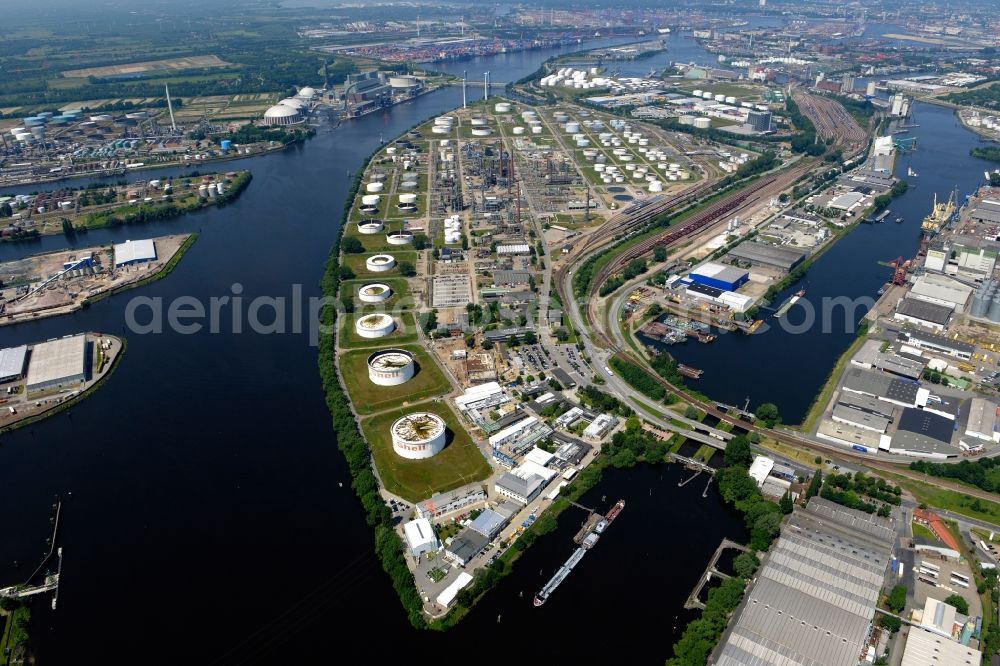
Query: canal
787, 364
208, 516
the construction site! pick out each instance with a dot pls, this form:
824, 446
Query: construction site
64, 281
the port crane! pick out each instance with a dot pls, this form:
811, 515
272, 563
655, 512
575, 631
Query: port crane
901, 266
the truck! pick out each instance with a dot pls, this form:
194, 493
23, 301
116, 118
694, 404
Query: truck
608, 370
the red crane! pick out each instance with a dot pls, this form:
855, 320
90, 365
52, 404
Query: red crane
901, 266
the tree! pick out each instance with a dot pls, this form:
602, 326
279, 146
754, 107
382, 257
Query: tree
960, 604
745, 565
352, 245
786, 503
420, 241
691, 412
897, 599
815, 484
738, 453
407, 269
768, 414
345, 273
530, 338
470, 341
6, 210
659, 254
890, 623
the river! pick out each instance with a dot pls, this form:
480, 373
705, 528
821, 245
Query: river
788, 367
208, 516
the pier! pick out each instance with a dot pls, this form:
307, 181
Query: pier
693, 601
51, 581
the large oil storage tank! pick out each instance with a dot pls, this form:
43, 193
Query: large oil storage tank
419, 435
377, 325
702, 123
380, 263
391, 367
376, 292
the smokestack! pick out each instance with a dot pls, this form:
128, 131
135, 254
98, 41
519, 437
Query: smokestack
465, 81
170, 107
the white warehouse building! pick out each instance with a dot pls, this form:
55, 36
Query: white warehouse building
58, 363
134, 252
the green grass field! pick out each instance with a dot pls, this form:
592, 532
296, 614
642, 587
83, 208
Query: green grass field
923, 532
406, 331
460, 463
949, 500
368, 398
356, 262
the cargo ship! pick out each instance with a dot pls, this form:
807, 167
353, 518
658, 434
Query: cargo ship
688, 371
938, 216
787, 305
589, 542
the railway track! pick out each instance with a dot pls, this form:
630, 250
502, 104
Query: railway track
830, 118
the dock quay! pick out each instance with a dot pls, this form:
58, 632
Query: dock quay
692, 600
587, 527
51, 581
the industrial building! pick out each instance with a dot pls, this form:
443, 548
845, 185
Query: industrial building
283, 114
134, 252
942, 290
488, 523
926, 647
982, 422
921, 433
938, 344
600, 426
901, 366
759, 121
12, 363
860, 419
923, 313
882, 386
58, 363
521, 489
729, 299
420, 537
761, 254
465, 546
513, 441
814, 597
760, 469
866, 404
720, 276
450, 593
453, 500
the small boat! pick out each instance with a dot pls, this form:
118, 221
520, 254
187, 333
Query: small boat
899, 220
911, 173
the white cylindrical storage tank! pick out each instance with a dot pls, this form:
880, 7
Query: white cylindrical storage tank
419, 435
374, 187
478, 121
702, 123
619, 179
370, 199
730, 99
380, 263
376, 292
630, 167
706, 95
370, 227
537, 129
501, 107
444, 120
599, 168
582, 143
697, 93
683, 175
441, 129
391, 367
399, 238
482, 131
572, 127
408, 198
518, 130
720, 98
655, 186
377, 325
445, 142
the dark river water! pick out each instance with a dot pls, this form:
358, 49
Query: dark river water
788, 363
208, 516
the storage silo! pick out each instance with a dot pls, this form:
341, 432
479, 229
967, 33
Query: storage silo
980, 305
993, 314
